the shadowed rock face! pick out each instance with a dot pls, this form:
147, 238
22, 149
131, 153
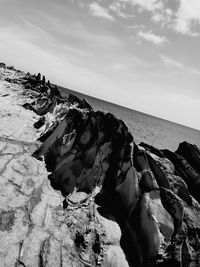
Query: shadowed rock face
79, 152
191, 153
152, 149
144, 196
186, 172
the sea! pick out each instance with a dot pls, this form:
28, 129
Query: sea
160, 133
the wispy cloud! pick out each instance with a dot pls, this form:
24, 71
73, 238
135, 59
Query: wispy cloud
119, 8
116, 8
149, 5
185, 19
165, 16
99, 11
152, 38
188, 17
170, 62
135, 26
122, 7
157, 17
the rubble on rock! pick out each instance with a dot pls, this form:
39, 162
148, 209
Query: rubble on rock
122, 204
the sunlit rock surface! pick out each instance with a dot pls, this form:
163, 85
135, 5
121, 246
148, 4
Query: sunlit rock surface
75, 190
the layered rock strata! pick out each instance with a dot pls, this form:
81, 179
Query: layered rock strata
89, 196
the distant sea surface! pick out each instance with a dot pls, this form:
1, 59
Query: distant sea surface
145, 128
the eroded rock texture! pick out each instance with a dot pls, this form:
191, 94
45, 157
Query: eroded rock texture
77, 191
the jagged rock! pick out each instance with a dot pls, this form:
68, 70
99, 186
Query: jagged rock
163, 217
121, 204
43, 80
128, 191
158, 172
2, 65
81, 103
90, 154
152, 149
147, 180
165, 176
39, 123
38, 77
174, 206
191, 153
10, 68
186, 172
149, 230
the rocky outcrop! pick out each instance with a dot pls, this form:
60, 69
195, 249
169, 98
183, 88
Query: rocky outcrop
88, 195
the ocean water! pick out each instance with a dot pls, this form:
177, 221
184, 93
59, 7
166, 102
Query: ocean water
145, 128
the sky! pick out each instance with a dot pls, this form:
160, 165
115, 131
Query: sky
142, 54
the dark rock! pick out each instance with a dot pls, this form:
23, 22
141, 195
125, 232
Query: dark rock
186, 172
158, 173
166, 178
174, 206
152, 149
147, 181
81, 103
38, 77
10, 67
2, 65
191, 153
39, 123
43, 80
6, 220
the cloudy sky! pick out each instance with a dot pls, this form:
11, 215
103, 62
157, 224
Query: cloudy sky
143, 54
